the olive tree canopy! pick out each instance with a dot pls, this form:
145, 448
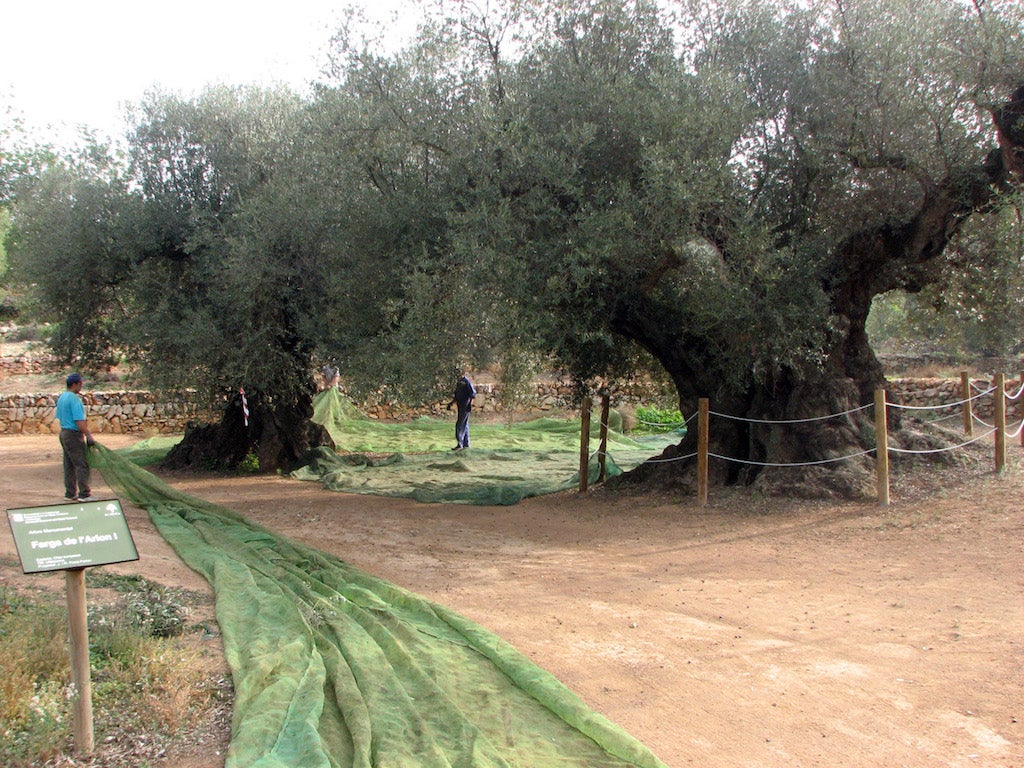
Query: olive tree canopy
726, 187
716, 189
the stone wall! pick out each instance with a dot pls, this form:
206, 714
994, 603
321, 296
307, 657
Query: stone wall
24, 365
923, 393
549, 397
139, 412
109, 412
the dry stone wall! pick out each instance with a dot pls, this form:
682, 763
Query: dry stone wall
931, 393
141, 412
107, 412
24, 365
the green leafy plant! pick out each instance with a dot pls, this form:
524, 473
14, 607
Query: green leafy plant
250, 465
654, 420
153, 609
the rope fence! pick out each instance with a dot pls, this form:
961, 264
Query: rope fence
881, 450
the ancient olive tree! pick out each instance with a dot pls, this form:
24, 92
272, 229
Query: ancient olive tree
730, 189
201, 260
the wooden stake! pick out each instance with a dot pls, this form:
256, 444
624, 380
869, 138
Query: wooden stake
1020, 407
881, 449
602, 451
965, 388
78, 637
999, 412
702, 452
585, 444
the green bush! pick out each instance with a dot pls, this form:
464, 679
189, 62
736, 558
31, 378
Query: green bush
250, 465
654, 420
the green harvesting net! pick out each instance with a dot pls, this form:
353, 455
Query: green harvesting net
506, 463
333, 667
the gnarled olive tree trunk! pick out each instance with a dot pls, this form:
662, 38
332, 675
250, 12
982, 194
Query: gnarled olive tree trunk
769, 416
277, 434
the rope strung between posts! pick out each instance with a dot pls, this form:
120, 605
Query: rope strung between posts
794, 463
941, 450
678, 425
703, 454
982, 392
978, 420
975, 418
837, 459
941, 405
669, 461
790, 421
833, 460
672, 424
596, 454
992, 427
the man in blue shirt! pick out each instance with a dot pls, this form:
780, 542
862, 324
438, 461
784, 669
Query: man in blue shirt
463, 399
74, 437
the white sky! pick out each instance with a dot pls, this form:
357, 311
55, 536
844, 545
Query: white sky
69, 62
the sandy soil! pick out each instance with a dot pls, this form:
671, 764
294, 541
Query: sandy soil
749, 633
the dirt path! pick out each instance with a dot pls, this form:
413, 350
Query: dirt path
770, 634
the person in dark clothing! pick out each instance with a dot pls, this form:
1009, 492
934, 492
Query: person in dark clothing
463, 400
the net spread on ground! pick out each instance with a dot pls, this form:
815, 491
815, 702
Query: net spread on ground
507, 462
333, 667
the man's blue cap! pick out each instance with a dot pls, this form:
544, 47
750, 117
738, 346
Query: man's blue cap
74, 378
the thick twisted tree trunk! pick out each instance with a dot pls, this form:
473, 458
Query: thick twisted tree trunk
776, 421
278, 437
774, 437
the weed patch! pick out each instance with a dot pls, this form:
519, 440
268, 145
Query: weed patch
154, 684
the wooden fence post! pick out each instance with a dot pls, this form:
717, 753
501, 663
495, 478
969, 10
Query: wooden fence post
702, 452
78, 639
965, 389
881, 449
999, 413
1020, 406
585, 444
602, 451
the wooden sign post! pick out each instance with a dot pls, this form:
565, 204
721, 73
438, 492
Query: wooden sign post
71, 537
81, 676
999, 417
703, 436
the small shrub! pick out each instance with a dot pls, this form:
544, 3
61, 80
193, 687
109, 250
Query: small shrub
152, 609
43, 731
654, 420
250, 465
34, 681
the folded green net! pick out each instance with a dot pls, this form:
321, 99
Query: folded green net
333, 667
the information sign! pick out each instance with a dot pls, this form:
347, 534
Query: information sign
76, 534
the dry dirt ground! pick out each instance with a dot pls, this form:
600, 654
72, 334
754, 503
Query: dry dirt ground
748, 633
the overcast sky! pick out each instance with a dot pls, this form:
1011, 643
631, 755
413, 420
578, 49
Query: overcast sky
69, 62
